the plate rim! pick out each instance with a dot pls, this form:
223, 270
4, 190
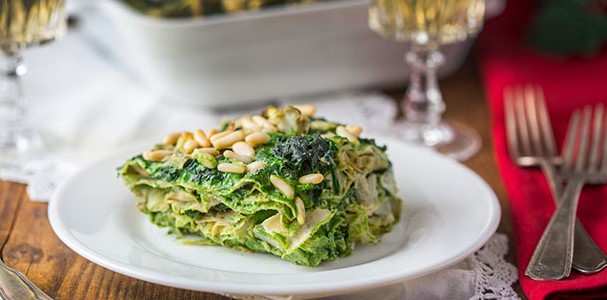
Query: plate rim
350, 285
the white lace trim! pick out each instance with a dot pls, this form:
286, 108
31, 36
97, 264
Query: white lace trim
494, 275
41, 177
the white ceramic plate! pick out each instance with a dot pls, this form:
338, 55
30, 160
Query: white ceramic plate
448, 213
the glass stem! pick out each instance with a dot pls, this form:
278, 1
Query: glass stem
13, 123
423, 101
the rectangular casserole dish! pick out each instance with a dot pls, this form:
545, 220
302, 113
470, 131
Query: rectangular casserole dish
251, 58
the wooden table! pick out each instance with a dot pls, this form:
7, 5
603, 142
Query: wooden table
28, 244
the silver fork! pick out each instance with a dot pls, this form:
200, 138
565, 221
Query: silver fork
531, 144
14, 285
584, 159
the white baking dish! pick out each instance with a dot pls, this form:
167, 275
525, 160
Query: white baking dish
247, 58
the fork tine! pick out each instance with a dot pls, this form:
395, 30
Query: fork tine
580, 163
519, 106
533, 123
570, 141
603, 167
545, 125
511, 134
597, 134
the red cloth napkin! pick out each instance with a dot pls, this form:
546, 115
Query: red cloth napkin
568, 84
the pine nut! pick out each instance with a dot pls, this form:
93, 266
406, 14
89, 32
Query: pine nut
255, 166
248, 124
314, 178
189, 146
201, 138
282, 186
301, 211
210, 150
262, 122
212, 132
228, 140
306, 109
257, 138
230, 168
187, 135
204, 158
235, 156
140, 171
341, 131
156, 155
183, 138
328, 135
219, 135
243, 148
172, 138
354, 129
268, 129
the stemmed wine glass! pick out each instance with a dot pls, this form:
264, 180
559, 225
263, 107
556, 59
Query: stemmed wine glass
23, 23
426, 25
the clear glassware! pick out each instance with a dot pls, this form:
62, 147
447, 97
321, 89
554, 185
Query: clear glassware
23, 23
426, 25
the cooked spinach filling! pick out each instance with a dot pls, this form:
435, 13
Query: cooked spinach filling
352, 198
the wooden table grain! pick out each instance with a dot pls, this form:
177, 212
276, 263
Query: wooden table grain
28, 244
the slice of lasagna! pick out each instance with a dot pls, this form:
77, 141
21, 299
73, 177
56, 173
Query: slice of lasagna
283, 182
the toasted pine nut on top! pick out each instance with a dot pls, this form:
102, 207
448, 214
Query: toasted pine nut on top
210, 150
256, 165
171, 138
341, 131
201, 138
257, 138
354, 129
261, 121
228, 140
219, 135
314, 178
212, 132
265, 125
328, 135
306, 109
284, 187
243, 148
301, 211
156, 155
230, 168
187, 134
189, 146
248, 125
235, 156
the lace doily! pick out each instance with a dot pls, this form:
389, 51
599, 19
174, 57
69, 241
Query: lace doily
494, 276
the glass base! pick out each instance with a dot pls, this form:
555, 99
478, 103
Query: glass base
452, 139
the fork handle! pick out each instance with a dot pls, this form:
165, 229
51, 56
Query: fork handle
15, 286
553, 255
588, 258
